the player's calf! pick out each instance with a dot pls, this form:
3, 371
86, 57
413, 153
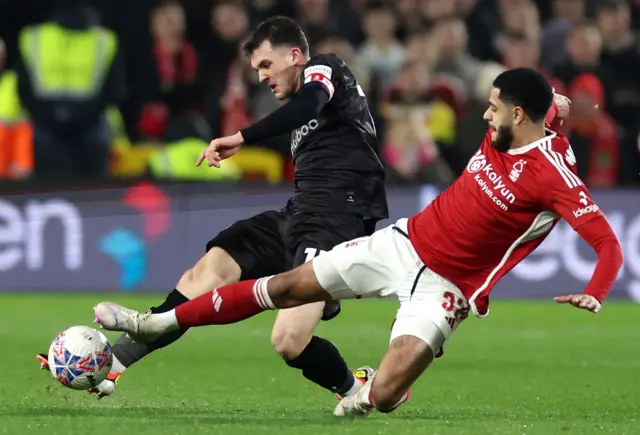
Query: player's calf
293, 329
407, 358
317, 358
410, 353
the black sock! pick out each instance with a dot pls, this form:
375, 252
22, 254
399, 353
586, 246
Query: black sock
322, 364
129, 352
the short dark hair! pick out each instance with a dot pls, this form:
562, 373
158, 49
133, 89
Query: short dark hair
377, 6
610, 5
166, 4
278, 31
526, 88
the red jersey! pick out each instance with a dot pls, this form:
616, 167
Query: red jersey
498, 211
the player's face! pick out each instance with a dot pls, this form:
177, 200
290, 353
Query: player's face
500, 117
277, 68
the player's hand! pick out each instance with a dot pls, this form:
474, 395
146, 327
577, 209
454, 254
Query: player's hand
585, 302
220, 149
564, 105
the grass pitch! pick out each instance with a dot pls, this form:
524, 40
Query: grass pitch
529, 368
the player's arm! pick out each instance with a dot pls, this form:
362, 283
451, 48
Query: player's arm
599, 235
298, 111
316, 90
570, 199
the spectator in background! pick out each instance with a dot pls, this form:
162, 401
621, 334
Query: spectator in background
491, 16
635, 13
522, 51
450, 39
409, 18
16, 133
593, 133
421, 47
417, 125
176, 89
67, 94
260, 10
381, 52
434, 11
226, 71
620, 47
422, 50
621, 56
316, 18
520, 18
479, 24
566, 13
347, 18
466, 81
583, 46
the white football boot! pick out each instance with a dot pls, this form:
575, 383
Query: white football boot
355, 404
103, 389
106, 387
141, 327
359, 404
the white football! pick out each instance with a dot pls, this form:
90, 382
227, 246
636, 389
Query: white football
80, 357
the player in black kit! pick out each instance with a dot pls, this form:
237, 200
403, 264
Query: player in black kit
339, 196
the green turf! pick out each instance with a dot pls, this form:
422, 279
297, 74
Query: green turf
530, 368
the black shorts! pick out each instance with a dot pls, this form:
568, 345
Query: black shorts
274, 242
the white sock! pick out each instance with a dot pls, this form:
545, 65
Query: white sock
357, 386
166, 321
364, 393
261, 294
117, 366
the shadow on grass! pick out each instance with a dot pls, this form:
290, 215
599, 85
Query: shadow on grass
170, 415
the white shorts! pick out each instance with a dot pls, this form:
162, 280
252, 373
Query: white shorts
385, 264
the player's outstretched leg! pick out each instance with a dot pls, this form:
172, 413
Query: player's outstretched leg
407, 358
214, 269
229, 304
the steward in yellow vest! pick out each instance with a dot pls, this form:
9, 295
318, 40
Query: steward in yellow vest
69, 73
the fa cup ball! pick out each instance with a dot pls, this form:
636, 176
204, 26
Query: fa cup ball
80, 357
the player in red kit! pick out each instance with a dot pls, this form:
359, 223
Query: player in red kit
441, 263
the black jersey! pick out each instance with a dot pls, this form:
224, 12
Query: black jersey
337, 168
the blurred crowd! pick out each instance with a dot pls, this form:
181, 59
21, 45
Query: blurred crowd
126, 88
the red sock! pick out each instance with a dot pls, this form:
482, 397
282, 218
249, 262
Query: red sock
229, 304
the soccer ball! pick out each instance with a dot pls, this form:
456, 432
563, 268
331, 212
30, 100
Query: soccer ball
80, 357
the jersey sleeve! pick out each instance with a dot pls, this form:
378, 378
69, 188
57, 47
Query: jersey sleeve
563, 192
321, 71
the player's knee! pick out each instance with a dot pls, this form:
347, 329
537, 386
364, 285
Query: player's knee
387, 397
289, 343
215, 269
